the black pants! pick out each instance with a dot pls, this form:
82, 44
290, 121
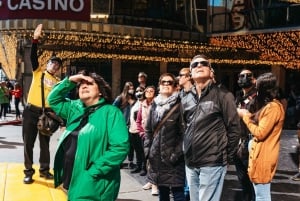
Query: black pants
164, 193
131, 149
4, 109
242, 174
139, 150
17, 102
29, 133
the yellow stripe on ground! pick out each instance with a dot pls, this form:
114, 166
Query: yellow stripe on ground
12, 187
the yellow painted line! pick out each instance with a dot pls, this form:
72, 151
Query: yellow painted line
12, 187
3, 168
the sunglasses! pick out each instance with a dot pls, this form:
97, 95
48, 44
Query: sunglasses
166, 82
244, 75
181, 75
199, 63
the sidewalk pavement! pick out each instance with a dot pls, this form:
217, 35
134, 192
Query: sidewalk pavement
11, 172
13, 189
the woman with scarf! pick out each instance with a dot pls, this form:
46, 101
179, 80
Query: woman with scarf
163, 141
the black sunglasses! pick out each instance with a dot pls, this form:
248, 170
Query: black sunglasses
245, 75
166, 82
201, 63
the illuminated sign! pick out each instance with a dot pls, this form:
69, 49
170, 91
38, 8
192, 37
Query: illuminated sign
45, 9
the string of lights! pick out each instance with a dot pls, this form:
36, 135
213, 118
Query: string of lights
8, 53
282, 48
278, 48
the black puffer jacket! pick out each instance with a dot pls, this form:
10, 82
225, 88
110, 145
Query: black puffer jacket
164, 150
213, 127
248, 102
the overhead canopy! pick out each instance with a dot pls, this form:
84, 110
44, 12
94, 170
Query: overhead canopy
274, 48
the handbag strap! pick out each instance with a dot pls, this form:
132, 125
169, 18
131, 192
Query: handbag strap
42, 92
84, 118
164, 119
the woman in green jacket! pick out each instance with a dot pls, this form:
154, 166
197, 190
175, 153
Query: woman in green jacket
95, 142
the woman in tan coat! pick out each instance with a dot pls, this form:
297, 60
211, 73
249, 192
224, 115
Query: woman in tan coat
265, 127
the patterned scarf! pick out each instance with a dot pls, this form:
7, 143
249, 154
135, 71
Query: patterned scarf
165, 104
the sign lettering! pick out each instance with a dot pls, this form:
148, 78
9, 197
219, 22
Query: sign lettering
46, 9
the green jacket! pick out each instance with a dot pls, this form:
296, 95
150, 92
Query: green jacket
102, 146
4, 95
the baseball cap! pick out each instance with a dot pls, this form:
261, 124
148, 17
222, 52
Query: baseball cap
54, 58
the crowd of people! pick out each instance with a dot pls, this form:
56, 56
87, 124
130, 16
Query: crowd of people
183, 133
9, 93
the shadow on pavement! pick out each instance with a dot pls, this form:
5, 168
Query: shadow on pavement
9, 145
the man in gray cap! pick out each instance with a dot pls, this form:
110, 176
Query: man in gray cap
211, 134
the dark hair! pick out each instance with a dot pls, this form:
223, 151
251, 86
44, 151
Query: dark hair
141, 88
153, 87
167, 75
200, 56
103, 86
247, 69
17, 85
125, 96
267, 89
55, 58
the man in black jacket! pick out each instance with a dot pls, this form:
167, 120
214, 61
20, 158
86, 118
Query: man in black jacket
212, 132
245, 98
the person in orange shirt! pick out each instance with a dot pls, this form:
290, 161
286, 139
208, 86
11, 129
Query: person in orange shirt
265, 125
17, 93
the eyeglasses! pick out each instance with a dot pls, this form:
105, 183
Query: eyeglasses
181, 75
166, 82
199, 63
244, 75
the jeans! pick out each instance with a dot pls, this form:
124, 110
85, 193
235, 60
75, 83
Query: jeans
186, 191
206, 183
262, 192
164, 193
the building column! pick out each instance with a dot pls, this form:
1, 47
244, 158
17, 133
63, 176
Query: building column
116, 77
280, 73
26, 76
163, 67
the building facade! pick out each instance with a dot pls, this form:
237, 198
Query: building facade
119, 38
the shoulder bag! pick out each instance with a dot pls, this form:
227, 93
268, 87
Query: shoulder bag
48, 121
